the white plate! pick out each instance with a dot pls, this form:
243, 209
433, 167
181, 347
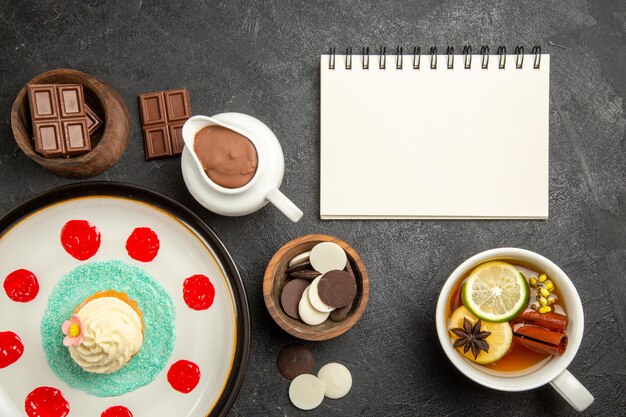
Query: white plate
217, 339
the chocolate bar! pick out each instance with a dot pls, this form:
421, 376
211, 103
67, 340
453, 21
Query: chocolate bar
163, 114
59, 119
93, 121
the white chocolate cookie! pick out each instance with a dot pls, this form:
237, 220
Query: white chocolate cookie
306, 392
337, 380
328, 256
308, 313
315, 300
299, 259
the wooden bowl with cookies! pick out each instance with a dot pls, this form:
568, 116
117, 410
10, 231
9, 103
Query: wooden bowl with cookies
316, 287
107, 143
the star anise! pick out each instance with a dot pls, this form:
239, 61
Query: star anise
471, 337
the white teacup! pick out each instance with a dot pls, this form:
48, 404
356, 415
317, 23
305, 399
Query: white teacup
554, 370
261, 189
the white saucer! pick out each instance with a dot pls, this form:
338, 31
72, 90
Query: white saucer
247, 201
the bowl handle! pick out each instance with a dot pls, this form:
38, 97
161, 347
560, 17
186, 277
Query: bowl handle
572, 390
284, 204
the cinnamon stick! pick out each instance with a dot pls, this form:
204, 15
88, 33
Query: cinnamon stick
551, 321
541, 340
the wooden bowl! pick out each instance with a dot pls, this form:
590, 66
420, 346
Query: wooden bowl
108, 142
276, 278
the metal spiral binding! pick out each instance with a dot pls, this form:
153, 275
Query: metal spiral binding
537, 61
467, 57
433, 57
519, 56
366, 57
349, 58
417, 53
416, 57
484, 51
450, 58
501, 57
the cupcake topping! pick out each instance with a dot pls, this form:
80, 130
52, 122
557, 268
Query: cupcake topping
103, 335
72, 328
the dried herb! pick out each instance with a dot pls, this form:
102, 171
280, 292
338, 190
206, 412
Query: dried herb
471, 337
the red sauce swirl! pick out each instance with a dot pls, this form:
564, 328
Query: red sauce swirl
198, 292
117, 411
21, 286
143, 244
11, 349
80, 239
46, 402
184, 376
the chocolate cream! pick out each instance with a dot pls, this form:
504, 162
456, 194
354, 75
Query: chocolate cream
228, 158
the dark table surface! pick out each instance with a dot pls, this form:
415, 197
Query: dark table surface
262, 58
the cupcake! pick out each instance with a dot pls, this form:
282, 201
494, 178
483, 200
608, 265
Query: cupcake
105, 332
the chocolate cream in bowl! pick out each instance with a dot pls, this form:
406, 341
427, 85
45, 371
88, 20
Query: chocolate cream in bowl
229, 159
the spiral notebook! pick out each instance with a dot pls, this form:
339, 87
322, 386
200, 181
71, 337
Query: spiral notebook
434, 136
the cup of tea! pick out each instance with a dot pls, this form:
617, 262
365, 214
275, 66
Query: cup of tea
510, 319
233, 164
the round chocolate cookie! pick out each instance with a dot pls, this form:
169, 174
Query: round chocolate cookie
299, 267
294, 360
308, 274
291, 295
337, 288
340, 314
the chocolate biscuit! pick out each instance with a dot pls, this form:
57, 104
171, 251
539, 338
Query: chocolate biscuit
291, 295
337, 288
294, 360
299, 267
340, 314
309, 274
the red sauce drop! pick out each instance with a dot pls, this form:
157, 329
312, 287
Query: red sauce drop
184, 376
198, 292
46, 402
117, 411
21, 286
11, 348
80, 239
143, 244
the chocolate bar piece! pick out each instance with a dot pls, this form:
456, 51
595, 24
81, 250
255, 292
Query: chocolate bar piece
163, 114
93, 121
59, 119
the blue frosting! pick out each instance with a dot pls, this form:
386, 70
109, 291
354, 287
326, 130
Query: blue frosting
158, 317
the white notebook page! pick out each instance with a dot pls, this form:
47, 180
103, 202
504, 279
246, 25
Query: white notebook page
434, 143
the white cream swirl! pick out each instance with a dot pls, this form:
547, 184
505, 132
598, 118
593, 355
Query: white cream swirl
112, 335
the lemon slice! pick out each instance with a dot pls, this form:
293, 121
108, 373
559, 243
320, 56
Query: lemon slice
499, 340
495, 291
